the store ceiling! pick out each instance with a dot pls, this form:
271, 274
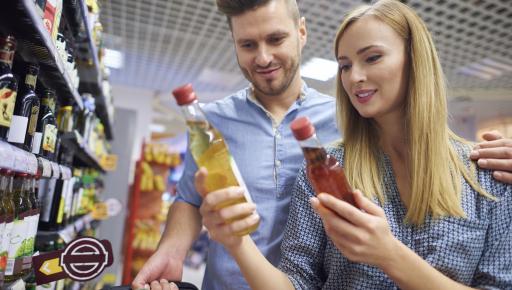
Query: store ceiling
170, 42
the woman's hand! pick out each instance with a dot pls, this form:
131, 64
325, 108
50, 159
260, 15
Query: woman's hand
362, 235
217, 220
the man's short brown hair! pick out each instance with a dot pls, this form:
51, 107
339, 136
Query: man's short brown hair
232, 8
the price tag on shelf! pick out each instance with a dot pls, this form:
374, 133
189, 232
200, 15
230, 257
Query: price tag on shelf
6, 155
55, 170
32, 164
20, 160
67, 234
65, 172
47, 168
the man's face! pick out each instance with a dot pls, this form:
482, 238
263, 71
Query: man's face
268, 46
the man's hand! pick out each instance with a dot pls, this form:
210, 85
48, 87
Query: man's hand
223, 213
495, 153
160, 266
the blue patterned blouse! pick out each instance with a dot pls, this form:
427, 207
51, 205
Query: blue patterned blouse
476, 251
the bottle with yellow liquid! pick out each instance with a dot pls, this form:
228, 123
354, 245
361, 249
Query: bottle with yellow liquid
209, 149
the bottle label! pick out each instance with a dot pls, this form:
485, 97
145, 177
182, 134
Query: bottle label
60, 214
31, 80
36, 143
18, 129
17, 241
33, 120
49, 138
4, 243
7, 101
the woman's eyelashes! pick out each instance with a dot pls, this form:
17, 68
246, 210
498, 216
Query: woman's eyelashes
373, 58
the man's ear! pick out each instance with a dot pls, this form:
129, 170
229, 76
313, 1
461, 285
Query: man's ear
303, 32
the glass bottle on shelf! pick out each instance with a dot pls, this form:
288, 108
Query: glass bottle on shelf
22, 208
26, 111
209, 149
323, 170
8, 214
8, 84
47, 125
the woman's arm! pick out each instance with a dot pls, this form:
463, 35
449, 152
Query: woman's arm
365, 237
259, 273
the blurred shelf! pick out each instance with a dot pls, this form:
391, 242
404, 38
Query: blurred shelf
35, 45
70, 232
83, 154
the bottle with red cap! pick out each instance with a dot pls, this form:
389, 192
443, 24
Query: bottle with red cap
209, 149
323, 170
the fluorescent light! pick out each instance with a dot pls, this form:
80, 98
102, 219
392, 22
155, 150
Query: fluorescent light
319, 69
496, 64
476, 73
486, 69
157, 128
113, 58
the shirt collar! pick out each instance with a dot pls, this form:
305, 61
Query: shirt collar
252, 97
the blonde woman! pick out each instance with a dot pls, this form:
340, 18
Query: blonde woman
428, 219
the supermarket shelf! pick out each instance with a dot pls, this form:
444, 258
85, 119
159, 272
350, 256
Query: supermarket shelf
19, 160
83, 154
70, 232
35, 45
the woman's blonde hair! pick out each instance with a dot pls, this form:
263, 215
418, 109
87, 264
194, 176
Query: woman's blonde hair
435, 166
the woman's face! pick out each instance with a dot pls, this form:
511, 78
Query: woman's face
374, 68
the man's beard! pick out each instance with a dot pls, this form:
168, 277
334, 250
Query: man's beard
270, 89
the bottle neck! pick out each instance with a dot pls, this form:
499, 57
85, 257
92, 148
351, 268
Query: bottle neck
48, 101
193, 112
6, 56
314, 152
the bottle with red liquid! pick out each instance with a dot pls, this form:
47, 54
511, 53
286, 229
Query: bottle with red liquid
323, 171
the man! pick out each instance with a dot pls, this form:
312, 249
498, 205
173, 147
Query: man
268, 36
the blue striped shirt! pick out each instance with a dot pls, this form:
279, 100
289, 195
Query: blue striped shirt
269, 158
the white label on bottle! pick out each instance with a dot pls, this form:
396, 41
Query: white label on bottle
2, 231
16, 247
29, 247
47, 167
18, 129
239, 178
4, 245
36, 143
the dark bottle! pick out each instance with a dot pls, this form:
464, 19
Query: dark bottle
52, 210
323, 171
7, 214
47, 125
8, 84
26, 111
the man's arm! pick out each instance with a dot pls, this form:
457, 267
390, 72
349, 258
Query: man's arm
181, 230
495, 153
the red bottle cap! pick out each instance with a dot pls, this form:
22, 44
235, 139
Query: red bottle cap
302, 128
22, 174
184, 95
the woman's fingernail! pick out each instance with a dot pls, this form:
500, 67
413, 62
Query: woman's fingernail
482, 162
474, 154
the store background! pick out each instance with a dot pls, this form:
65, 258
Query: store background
154, 46
168, 43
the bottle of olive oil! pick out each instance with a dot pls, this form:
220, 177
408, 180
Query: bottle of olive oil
22, 210
8, 214
209, 149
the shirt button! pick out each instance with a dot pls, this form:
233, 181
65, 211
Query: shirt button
278, 163
278, 135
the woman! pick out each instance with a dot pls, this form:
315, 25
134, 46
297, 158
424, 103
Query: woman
427, 216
